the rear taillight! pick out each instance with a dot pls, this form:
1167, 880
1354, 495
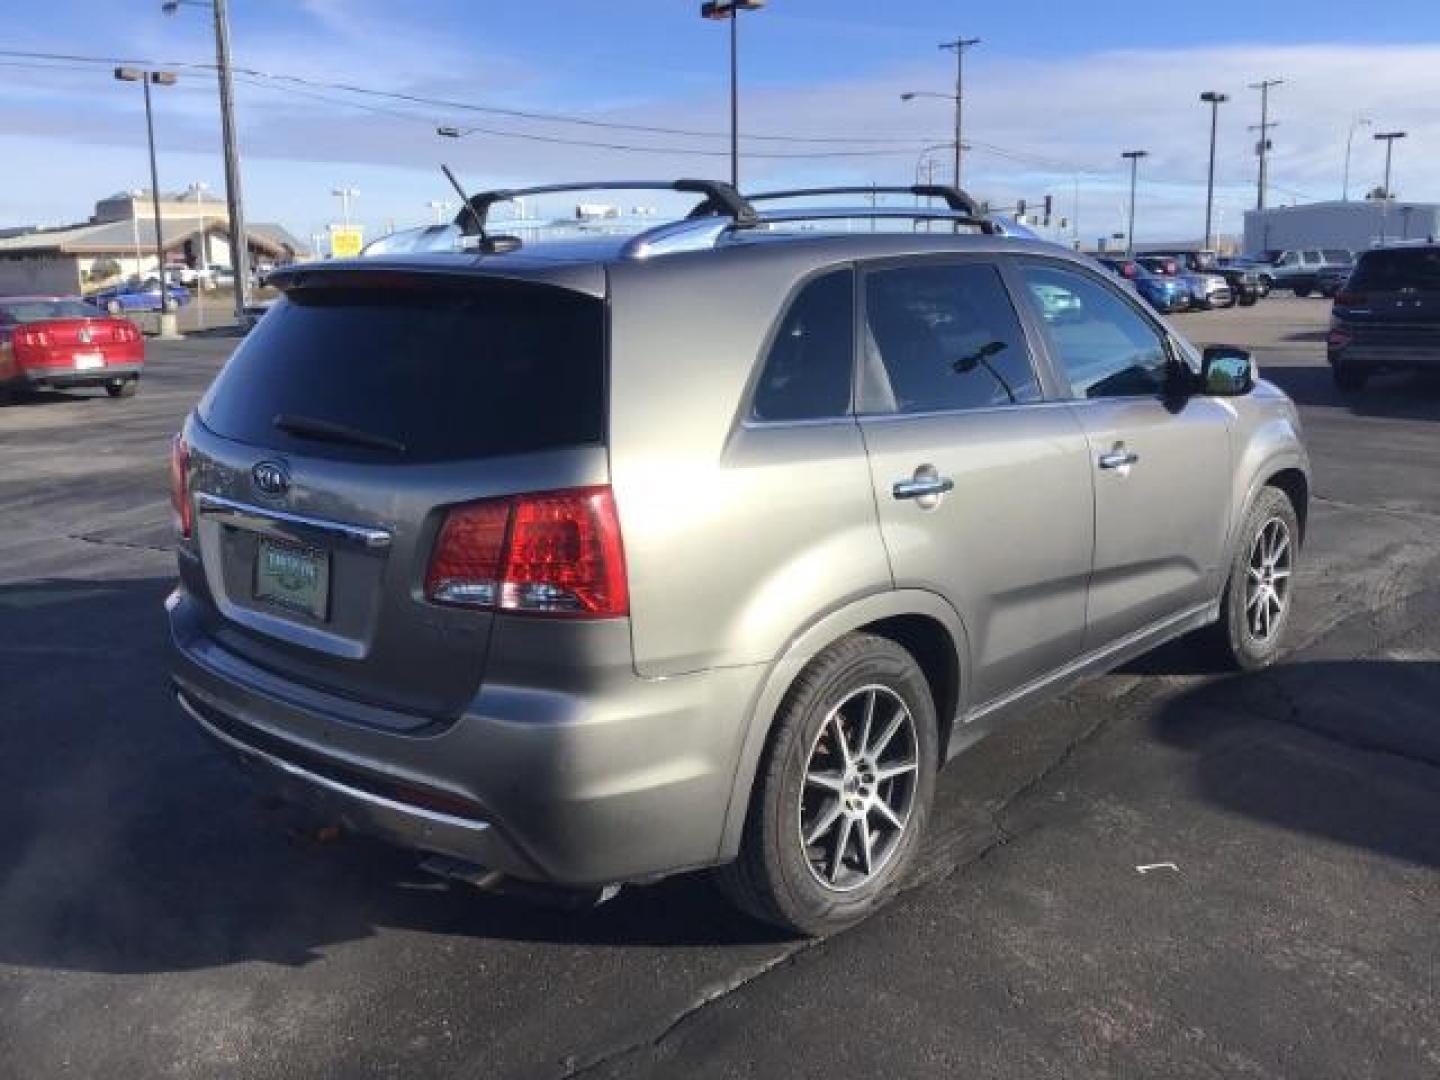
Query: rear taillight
1349, 299
125, 331
1337, 339
180, 486
33, 339
553, 553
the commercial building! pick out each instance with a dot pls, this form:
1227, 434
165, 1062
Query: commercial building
1353, 225
118, 242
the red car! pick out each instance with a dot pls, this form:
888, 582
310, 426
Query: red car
52, 341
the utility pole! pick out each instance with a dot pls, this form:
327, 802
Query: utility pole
1134, 157
1263, 147
1388, 138
1214, 99
958, 46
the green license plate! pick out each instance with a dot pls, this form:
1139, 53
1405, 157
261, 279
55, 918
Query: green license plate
293, 577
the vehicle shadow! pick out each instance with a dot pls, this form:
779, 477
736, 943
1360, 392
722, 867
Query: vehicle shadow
1399, 396
130, 844
1344, 750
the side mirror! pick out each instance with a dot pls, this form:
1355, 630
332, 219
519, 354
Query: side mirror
1226, 371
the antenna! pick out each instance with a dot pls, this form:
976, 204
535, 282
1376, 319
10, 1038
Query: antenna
465, 200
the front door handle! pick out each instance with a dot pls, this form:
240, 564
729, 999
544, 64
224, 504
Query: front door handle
926, 487
1119, 458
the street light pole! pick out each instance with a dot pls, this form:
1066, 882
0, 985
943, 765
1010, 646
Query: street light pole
345, 194
1134, 157
1214, 99
1359, 121
1388, 138
1263, 147
959, 45
718, 10
159, 78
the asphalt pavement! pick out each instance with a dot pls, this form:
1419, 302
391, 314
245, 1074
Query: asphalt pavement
157, 919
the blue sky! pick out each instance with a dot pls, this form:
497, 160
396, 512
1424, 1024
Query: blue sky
1054, 94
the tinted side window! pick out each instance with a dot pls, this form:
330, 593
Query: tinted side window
947, 337
1106, 347
1398, 268
807, 372
1339, 256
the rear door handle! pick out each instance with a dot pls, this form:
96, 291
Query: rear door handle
922, 487
1119, 458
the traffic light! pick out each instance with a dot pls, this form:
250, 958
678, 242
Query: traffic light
1020, 209
1049, 205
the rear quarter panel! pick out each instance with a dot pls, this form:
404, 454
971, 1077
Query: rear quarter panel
737, 536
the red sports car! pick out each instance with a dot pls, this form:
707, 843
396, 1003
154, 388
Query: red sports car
54, 341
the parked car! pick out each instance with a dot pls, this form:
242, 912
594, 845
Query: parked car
592, 563
63, 342
138, 296
1243, 282
1206, 290
1299, 270
1164, 294
1387, 316
1259, 273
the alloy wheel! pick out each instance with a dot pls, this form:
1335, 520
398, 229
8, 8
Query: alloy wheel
1267, 580
861, 782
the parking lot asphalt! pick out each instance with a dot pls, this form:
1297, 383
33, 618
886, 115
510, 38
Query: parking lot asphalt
156, 919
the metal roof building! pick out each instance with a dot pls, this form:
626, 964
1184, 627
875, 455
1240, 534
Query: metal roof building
1355, 225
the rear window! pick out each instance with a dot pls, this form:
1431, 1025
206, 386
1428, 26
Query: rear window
1338, 255
28, 311
439, 372
1400, 268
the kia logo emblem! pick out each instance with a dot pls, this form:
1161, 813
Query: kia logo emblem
271, 478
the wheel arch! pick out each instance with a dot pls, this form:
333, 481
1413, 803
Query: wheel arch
922, 622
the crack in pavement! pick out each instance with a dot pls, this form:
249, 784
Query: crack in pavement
1363, 508
124, 544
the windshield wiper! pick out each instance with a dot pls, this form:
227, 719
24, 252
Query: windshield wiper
310, 427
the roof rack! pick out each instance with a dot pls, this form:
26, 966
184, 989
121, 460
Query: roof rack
961, 208
954, 198
720, 199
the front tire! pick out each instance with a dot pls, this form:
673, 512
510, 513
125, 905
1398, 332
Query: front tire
1255, 608
843, 792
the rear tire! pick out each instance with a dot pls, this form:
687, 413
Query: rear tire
1248, 299
853, 751
1302, 291
1259, 592
1349, 378
121, 388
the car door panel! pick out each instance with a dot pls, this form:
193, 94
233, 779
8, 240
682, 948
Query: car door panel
952, 397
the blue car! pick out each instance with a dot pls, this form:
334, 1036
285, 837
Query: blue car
137, 296
1164, 294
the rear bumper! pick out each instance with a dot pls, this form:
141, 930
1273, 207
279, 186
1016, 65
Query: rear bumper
70, 376
628, 780
1361, 355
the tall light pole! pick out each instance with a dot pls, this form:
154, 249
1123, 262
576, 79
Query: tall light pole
1358, 121
720, 10
1215, 100
1388, 138
234, 201
345, 194
1134, 157
159, 78
1263, 146
959, 45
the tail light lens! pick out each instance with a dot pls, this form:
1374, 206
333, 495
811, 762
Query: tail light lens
33, 339
180, 486
1349, 299
1337, 339
553, 553
125, 331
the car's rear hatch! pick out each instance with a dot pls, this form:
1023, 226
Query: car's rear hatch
324, 458
1393, 299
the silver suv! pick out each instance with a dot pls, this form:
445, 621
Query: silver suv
585, 563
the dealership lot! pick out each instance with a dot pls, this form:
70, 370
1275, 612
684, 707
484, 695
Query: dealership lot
156, 919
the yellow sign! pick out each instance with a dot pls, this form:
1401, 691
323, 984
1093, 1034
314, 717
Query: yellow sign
345, 243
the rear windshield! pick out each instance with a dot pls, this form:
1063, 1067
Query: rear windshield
1400, 268
27, 311
432, 373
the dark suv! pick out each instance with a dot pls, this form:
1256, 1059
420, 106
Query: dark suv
1387, 315
585, 563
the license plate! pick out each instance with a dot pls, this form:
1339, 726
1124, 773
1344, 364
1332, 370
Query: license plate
293, 577
89, 361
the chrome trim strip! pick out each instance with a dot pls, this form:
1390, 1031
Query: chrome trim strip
263, 519
291, 769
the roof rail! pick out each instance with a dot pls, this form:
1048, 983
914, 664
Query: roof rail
953, 196
868, 213
720, 198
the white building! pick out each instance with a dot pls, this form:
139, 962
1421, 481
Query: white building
1354, 225
118, 242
